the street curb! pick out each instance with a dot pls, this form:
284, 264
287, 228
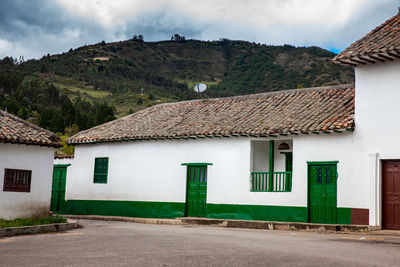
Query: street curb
126, 219
38, 229
230, 223
272, 225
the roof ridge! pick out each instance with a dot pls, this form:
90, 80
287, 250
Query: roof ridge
288, 91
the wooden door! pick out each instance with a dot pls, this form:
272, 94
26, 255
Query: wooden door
58, 189
322, 196
196, 191
391, 194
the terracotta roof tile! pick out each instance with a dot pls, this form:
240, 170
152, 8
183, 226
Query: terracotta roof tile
310, 110
19, 131
383, 43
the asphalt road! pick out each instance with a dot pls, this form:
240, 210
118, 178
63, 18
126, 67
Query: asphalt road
102, 243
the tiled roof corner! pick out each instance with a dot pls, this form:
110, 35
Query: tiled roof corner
310, 110
381, 44
19, 131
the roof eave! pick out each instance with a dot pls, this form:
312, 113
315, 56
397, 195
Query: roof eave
274, 135
367, 58
17, 142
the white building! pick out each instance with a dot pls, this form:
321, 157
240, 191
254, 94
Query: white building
26, 167
307, 155
376, 59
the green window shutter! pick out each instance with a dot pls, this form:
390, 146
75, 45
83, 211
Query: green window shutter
100, 170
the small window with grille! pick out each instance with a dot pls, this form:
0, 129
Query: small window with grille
17, 180
100, 170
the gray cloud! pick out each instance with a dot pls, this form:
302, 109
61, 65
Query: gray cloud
32, 28
364, 20
161, 25
18, 17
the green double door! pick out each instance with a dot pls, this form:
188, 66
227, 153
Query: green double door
58, 188
196, 196
322, 196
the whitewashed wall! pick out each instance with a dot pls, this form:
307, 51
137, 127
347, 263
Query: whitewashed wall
259, 156
40, 161
332, 147
377, 117
63, 161
152, 171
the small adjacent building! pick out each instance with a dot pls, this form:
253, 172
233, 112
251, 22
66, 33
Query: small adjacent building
322, 155
26, 167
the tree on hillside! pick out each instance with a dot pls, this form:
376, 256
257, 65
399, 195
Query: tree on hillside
177, 38
224, 41
138, 38
104, 113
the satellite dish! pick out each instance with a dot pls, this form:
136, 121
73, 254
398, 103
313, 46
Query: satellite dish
200, 87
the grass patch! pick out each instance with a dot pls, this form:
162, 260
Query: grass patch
191, 84
75, 89
31, 221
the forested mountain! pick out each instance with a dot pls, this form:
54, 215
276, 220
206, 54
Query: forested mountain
96, 83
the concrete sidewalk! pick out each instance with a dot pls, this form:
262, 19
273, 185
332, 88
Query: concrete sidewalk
249, 224
37, 229
126, 219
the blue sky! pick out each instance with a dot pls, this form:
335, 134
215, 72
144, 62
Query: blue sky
33, 28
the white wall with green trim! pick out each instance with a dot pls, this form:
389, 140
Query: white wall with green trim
152, 171
352, 191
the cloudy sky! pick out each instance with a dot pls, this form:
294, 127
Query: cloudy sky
33, 28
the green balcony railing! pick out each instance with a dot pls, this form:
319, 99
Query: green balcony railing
277, 182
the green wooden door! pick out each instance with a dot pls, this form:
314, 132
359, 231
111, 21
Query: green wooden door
196, 191
58, 188
322, 200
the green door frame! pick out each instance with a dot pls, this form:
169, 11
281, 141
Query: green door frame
188, 165
61, 165
58, 204
317, 163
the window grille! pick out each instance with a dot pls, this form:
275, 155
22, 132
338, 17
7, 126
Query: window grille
17, 180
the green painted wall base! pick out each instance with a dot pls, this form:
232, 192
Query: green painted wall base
257, 212
177, 209
125, 208
343, 215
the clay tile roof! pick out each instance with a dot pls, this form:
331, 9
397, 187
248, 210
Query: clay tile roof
19, 131
383, 43
312, 110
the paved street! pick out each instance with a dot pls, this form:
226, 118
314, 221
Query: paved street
102, 243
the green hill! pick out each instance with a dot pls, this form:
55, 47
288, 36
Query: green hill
93, 84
